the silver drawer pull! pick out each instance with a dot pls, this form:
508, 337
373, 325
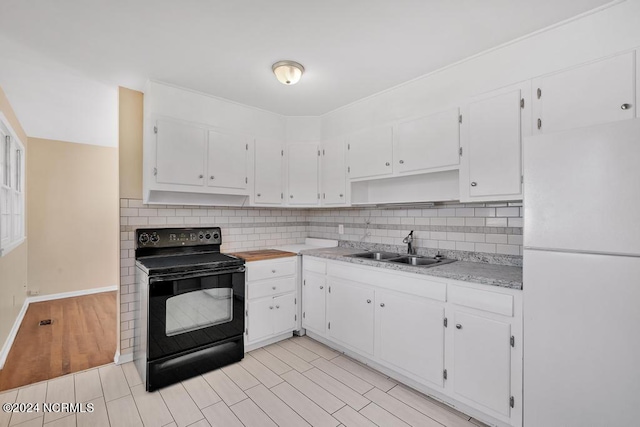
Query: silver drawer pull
625, 106
273, 271
458, 326
273, 287
270, 307
381, 304
277, 306
368, 301
321, 287
387, 164
473, 184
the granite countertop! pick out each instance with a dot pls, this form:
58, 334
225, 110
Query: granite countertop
475, 272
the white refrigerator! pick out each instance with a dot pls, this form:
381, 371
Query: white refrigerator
582, 277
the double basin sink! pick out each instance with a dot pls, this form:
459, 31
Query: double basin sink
414, 260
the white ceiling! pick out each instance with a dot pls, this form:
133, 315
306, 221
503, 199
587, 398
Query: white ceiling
350, 48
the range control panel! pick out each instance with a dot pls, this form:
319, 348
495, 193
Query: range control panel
177, 237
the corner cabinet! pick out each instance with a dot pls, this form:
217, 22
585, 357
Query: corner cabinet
268, 172
303, 163
493, 126
457, 341
186, 163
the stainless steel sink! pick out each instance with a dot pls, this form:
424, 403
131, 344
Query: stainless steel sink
378, 256
421, 261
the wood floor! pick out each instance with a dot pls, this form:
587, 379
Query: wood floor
82, 336
294, 383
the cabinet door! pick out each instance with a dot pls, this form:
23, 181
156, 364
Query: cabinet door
482, 361
350, 314
492, 146
284, 313
268, 172
334, 170
591, 94
260, 319
180, 153
370, 153
429, 142
410, 335
313, 302
227, 166
303, 175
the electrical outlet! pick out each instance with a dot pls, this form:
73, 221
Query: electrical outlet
33, 292
340, 229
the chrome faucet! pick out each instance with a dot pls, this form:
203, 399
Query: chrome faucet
409, 241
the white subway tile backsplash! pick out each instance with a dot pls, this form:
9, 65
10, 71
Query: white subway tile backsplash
507, 212
496, 222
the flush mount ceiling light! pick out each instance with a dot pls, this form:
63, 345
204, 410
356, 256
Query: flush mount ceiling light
288, 72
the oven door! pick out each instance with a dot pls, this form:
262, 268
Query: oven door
194, 310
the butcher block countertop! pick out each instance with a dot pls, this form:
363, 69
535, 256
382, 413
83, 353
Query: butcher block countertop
262, 254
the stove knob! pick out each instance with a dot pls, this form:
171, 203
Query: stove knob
216, 236
201, 236
207, 236
155, 238
144, 238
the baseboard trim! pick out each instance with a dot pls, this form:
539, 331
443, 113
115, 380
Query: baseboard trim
51, 297
120, 359
4, 352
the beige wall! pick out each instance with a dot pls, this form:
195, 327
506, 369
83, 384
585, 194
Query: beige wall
72, 194
13, 266
131, 113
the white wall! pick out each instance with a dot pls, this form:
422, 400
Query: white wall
588, 38
56, 102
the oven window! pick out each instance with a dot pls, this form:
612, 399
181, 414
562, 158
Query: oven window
198, 309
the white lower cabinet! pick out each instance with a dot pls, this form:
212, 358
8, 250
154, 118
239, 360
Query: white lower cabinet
460, 342
271, 301
481, 370
410, 335
314, 293
350, 314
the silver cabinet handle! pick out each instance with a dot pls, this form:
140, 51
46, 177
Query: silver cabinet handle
270, 307
277, 306
473, 184
258, 194
273, 287
625, 106
342, 195
291, 196
381, 304
458, 326
212, 177
401, 162
368, 301
273, 271
200, 176
387, 164
321, 287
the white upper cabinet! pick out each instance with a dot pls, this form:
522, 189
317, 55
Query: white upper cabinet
303, 163
492, 130
180, 153
227, 166
268, 188
334, 170
595, 93
427, 143
370, 153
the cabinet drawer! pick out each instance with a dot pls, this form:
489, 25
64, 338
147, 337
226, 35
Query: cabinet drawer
493, 302
314, 265
261, 270
271, 287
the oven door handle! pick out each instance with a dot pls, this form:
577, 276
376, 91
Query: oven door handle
181, 276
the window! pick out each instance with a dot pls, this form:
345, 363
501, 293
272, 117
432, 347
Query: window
12, 212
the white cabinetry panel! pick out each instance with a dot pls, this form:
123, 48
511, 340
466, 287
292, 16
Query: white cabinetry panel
259, 322
180, 153
334, 170
303, 175
587, 95
371, 153
430, 142
482, 361
350, 314
314, 302
227, 166
268, 172
284, 311
410, 335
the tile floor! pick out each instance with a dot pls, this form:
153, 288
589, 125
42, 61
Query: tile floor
294, 383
